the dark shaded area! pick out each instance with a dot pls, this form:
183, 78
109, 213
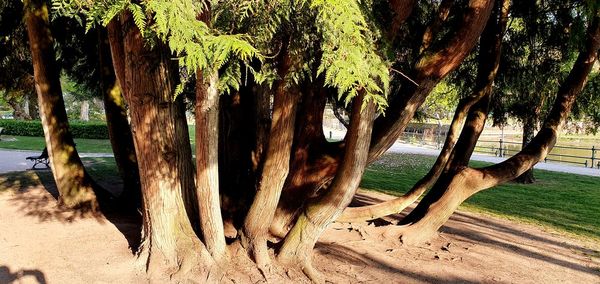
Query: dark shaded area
44, 207
497, 241
6, 276
355, 258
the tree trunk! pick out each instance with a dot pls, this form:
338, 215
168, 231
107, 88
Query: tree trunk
164, 156
276, 166
318, 214
528, 134
468, 181
74, 185
433, 65
84, 113
207, 163
119, 131
309, 142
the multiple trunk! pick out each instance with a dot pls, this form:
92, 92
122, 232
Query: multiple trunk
74, 185
300, 182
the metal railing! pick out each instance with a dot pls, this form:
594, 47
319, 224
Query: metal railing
502, 148
588, 157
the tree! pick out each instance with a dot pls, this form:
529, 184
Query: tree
74, 185
263, 165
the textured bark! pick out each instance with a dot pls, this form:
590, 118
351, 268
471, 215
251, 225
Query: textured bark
119, 131
276, 166
74, 185
207, 163
432, 67
305, 175
318, 214
84, 113
468, 181
164, 158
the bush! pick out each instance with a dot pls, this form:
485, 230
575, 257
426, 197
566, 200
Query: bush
89, 130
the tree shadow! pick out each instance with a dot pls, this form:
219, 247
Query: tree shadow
6, 276
358, 259
468, 227
36, 195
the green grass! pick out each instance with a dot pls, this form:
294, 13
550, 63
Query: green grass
37, 144
562, 201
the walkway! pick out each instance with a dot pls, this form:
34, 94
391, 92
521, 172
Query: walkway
399, 147
14, 160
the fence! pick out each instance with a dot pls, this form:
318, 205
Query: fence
585, 156
564, 154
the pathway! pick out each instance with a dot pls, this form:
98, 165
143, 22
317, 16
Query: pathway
14, 160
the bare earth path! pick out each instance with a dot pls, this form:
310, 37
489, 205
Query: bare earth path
40, 244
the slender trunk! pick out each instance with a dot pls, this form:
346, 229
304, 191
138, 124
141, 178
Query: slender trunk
397, 205
84, 113
468, 181
73, 183
168, 240
528, 134
33, 105
275, 169
207, 163
432, 67
318, 214
119, 131
304, 177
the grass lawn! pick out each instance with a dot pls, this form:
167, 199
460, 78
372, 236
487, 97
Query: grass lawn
37, 144
562, 201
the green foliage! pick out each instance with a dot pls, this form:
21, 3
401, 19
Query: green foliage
350, 60
89, 130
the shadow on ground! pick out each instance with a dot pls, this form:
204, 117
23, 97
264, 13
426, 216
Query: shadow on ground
35, 194
6, 276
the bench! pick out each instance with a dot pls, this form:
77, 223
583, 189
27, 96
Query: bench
1, 130
41, 159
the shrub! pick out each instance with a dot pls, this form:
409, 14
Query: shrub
89, 130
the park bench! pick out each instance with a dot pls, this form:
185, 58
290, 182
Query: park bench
41, 159
1, 130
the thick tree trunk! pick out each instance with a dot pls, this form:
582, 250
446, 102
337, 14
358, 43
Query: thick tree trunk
207, 163
318, 214
119, 131
276, 166
162, 146
468, 181
528, 134
74, 185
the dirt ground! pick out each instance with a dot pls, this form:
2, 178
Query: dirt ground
41, 244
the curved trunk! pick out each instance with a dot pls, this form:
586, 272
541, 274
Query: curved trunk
276, 166
119, 131
207, 163
397, 205
468, 181
431, 68
74, 185
318, 214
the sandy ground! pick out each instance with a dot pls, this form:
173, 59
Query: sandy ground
41, 244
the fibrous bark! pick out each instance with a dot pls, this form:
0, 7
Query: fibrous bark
207, 163
74, 185
276, 166
318, 214
163, 150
